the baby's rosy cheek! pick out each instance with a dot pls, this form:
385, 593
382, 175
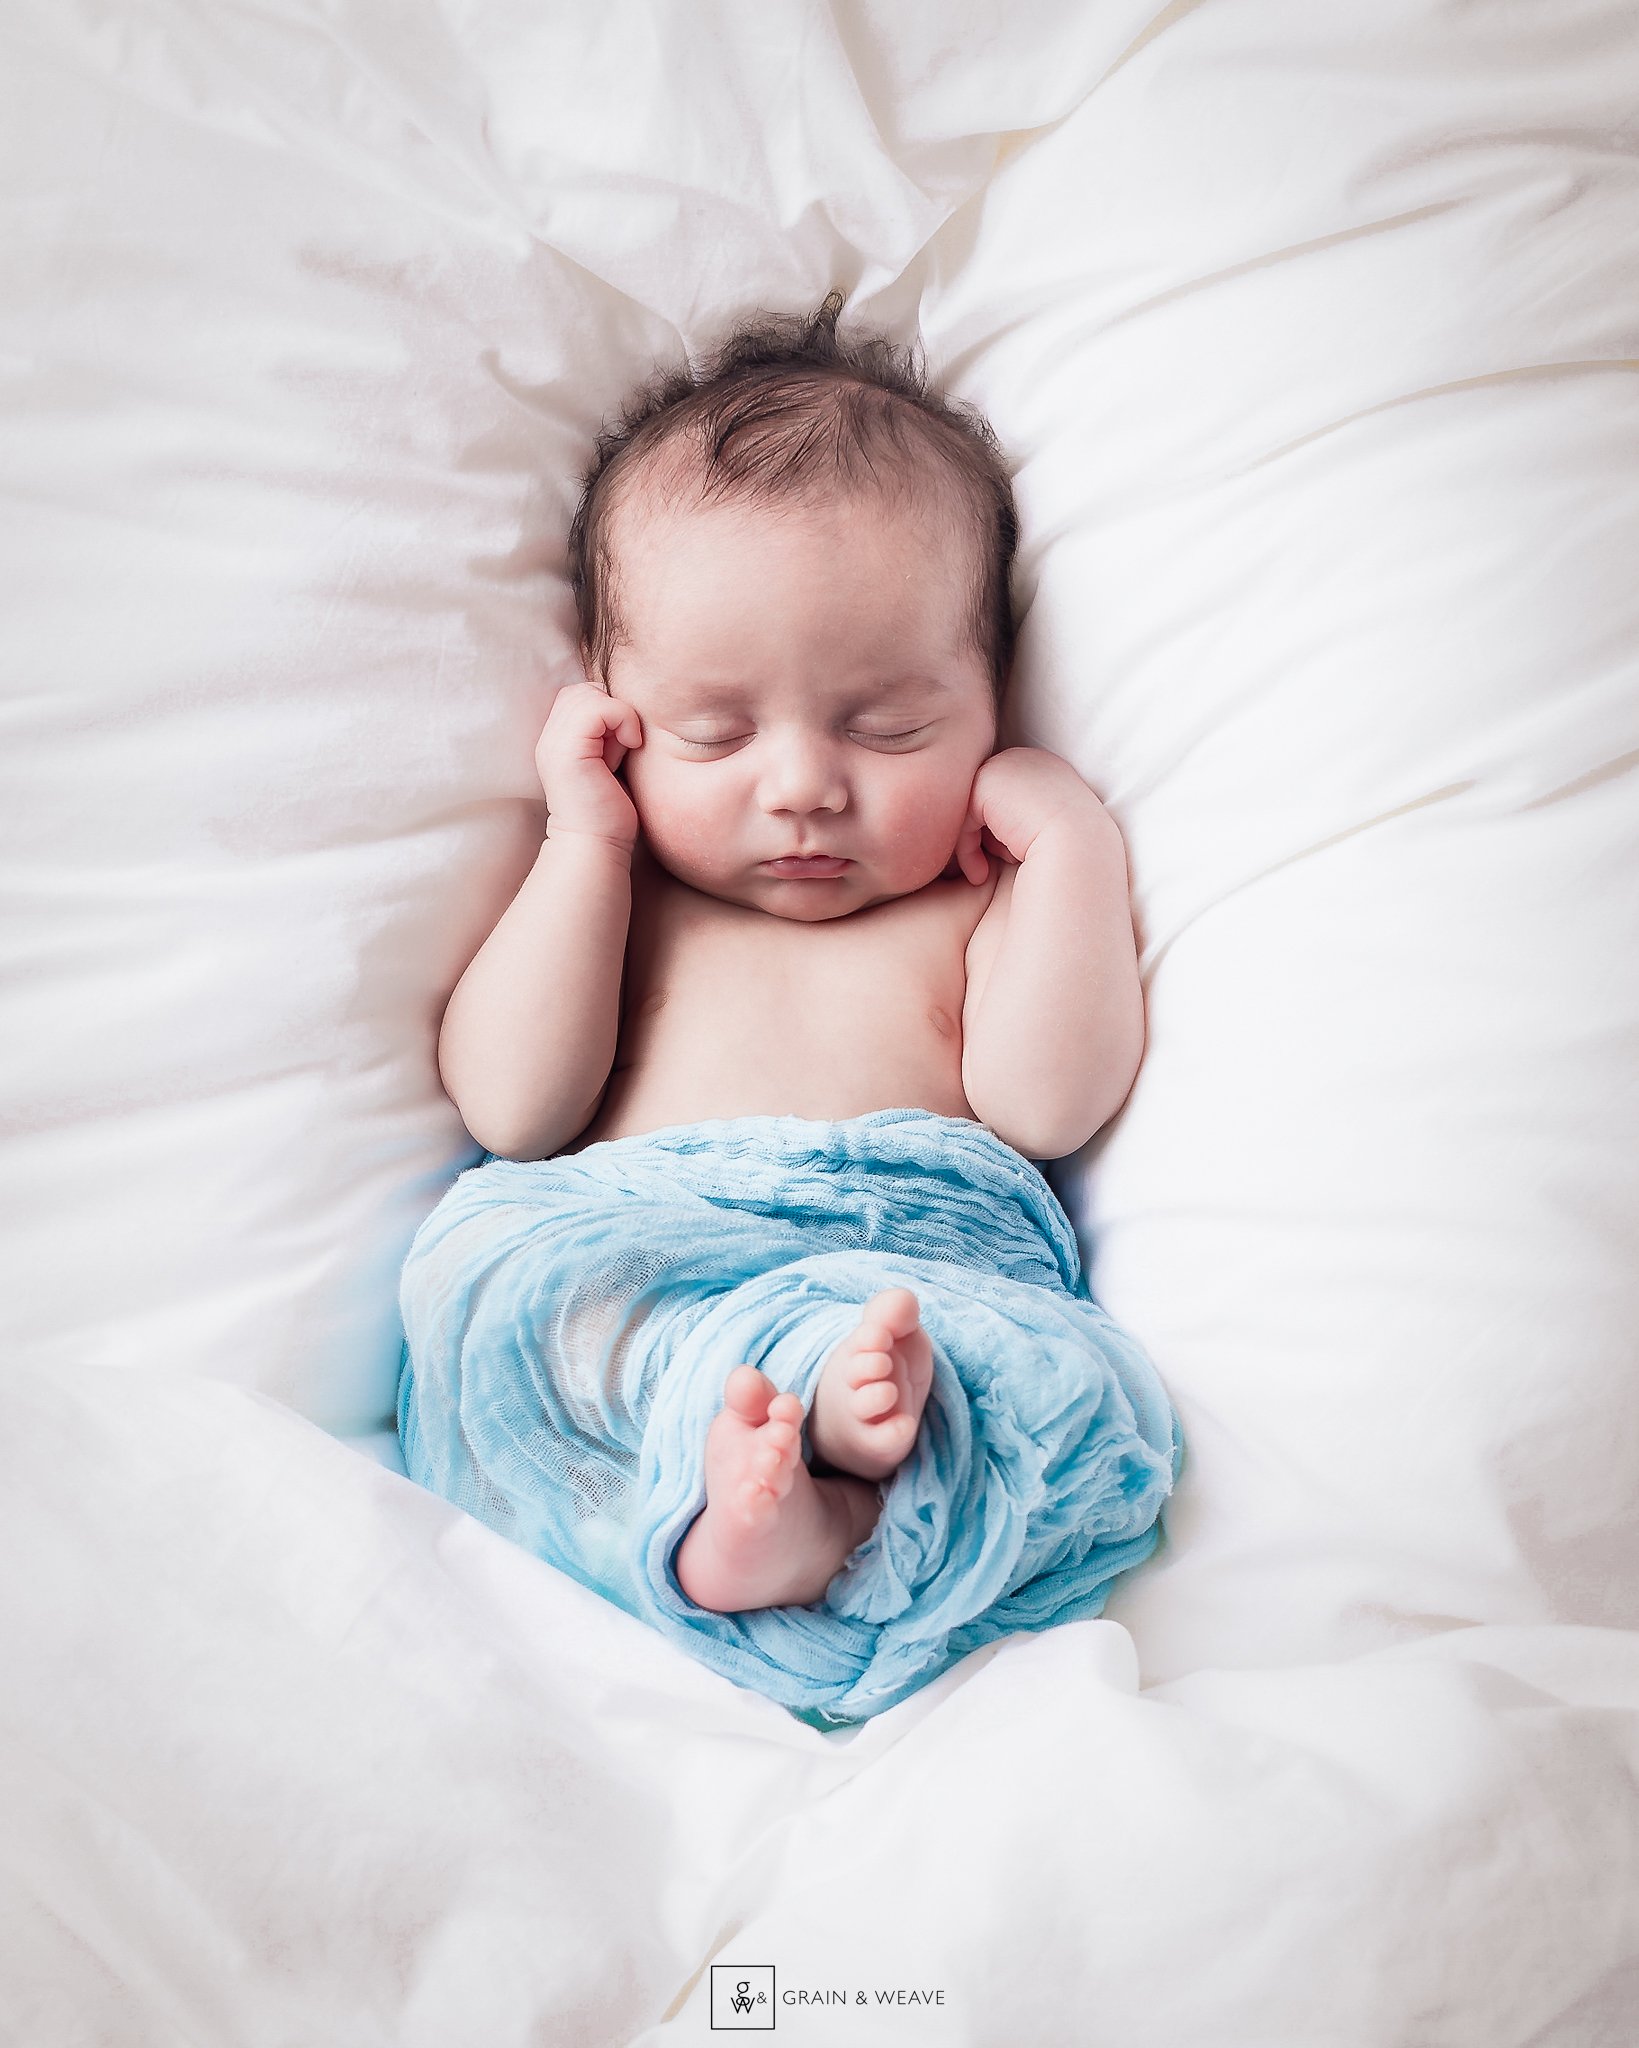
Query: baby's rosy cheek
935, 804
686, 825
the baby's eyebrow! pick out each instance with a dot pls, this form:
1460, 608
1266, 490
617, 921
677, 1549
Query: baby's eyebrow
679, 697
894, 689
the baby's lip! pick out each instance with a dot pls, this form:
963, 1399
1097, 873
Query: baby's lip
812, 866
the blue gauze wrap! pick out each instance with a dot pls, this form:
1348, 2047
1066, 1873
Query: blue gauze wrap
570, 1323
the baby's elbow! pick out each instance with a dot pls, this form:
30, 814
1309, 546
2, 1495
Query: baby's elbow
522, 1151
1044, 1131
509, 1134
502, 1140
1041, 1136
1045, 1120
497, 1115
500, 1130
1021, 1116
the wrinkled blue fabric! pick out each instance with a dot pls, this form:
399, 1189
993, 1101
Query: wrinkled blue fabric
570, 1323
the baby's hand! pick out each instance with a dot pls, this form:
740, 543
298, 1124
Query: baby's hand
587, 736
1017, 794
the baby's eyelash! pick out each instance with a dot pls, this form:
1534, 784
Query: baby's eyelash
734, 739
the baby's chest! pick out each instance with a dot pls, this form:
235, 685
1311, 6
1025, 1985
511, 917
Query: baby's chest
754, 986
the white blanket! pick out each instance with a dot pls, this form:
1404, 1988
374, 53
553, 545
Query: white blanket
1313, 333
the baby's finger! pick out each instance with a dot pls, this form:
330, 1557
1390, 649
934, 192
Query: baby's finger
970, 857
622, 734
581, 720
574, 715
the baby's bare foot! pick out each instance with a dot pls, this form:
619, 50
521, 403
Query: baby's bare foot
869, 1401
770, 1535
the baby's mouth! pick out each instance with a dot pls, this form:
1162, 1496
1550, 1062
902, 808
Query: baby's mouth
807, 867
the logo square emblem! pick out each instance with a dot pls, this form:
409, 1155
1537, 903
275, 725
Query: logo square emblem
742, 1996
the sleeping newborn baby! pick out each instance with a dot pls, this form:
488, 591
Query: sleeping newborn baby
803, 977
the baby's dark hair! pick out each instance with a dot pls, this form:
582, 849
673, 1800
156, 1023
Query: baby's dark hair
788, 407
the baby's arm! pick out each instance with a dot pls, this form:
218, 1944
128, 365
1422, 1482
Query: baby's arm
529, 1036
1053, 1024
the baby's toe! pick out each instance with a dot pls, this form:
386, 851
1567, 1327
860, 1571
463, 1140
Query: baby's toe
747, 1393
896, 1311
877, 1397
869, 1365
755, 1495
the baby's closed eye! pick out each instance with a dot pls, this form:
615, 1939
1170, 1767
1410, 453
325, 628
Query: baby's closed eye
705, 744
889, 739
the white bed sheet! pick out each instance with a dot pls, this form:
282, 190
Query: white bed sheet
357, 1770
1314, 333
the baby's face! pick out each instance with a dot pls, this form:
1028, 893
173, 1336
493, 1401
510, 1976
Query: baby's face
809, 691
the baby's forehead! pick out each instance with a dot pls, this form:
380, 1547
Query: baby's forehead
674, 480
678, 541
698, 552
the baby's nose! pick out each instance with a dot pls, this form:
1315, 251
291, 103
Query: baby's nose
802, 773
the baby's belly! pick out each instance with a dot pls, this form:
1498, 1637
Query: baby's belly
732, 1052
